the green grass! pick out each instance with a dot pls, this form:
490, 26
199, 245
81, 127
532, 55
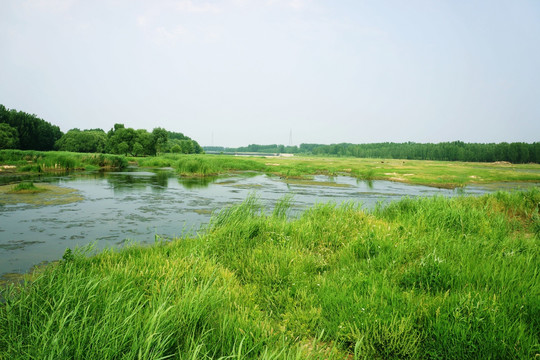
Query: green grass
44, 161
26, 188
201, 165
431, 173
420, 278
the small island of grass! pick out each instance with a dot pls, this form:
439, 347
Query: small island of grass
42, 194
26, 188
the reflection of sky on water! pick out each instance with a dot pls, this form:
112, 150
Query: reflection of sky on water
138, 205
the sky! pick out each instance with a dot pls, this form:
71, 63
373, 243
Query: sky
238, 72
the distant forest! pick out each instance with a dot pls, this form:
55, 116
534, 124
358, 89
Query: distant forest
517, 153
19, 130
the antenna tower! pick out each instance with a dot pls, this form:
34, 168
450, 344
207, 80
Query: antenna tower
290, 138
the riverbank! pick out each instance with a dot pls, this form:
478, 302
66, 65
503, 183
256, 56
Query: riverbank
31, 162
419, 278
421, 172
443, 174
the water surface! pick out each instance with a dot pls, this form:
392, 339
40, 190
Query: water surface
140, 206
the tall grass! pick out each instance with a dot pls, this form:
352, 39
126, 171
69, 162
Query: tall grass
202, 165
420, 278
26, 187
37, 161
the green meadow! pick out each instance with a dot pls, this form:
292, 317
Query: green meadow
29, 161
422, 172
426, 278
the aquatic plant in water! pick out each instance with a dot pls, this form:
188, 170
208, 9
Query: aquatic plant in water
26, 188
41, 194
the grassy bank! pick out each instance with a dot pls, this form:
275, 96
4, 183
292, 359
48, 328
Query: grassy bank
43, 161
423, 172
424, 278
432, 173
201, 165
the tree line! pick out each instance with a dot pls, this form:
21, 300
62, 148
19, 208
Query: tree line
19, 130
255, 148
516, 152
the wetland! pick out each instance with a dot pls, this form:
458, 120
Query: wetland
111, 208
199, 257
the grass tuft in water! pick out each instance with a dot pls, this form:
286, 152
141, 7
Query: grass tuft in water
26, 187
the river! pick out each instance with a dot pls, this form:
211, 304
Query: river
109, 209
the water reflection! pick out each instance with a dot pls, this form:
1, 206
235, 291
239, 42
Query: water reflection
10, 179
196, 182
369, 183
132, 180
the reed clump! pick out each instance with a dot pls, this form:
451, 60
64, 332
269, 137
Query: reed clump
46, 161
26, 187
420, 278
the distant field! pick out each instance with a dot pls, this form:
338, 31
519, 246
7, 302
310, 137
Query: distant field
424, 172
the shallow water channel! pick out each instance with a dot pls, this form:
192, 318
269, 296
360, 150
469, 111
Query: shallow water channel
110, 208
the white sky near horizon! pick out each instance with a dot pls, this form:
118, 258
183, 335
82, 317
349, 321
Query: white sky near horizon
237, 72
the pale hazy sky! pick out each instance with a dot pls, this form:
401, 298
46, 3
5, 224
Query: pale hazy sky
250, 71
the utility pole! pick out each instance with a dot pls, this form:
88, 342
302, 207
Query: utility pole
290, 138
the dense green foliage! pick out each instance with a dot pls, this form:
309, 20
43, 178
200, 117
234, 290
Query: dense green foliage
518, 153
431, 278
9, 137
33, 133
19, 130
122, 140
127, 141
89, 141
180, 144
38, 161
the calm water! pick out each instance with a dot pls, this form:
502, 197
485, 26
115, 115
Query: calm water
139, 205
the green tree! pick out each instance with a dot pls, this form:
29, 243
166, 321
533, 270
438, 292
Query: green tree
90, 141
122, 148
146, 140
9, 137
138, 149
120, 140
34, 133
161, 137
